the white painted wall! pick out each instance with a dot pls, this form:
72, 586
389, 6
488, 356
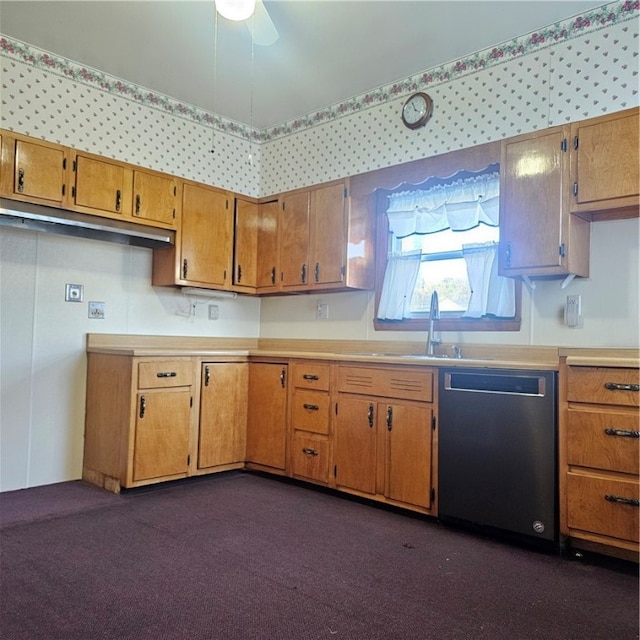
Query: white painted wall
42, 361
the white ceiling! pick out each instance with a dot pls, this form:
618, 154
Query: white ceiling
328, 50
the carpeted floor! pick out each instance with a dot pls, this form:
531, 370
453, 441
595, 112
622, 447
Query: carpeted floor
241, 556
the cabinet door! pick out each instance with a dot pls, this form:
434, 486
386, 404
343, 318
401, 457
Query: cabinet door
267, 419
102, 186
154, 198
355, 444
606, 170
532, 182
294, 240
161, 445
408, 452
245, 241
39, 171
328, 231
223, 414
207, 228
267, 260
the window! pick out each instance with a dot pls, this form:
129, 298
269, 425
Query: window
443, 235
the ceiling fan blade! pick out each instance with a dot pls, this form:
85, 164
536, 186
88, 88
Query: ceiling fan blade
261, 27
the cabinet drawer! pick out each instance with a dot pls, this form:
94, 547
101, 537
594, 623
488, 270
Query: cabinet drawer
404, 383
310, 411
603, 440
603, 385
310, 375
164, 373
310, 457
594, 505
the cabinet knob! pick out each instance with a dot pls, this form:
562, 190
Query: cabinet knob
20, 180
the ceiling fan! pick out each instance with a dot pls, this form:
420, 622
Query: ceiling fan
255, 17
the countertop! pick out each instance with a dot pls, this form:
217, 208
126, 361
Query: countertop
494, 356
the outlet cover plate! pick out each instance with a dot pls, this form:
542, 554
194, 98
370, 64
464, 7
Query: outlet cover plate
73, 292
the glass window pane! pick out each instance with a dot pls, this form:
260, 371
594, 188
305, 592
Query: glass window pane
450, 279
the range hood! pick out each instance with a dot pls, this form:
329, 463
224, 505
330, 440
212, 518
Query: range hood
25, 215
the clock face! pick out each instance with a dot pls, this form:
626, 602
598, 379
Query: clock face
417, 110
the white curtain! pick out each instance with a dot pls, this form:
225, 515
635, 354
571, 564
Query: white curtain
459, 205
490, 293
397, 289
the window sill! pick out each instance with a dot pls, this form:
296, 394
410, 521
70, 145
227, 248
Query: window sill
449, 324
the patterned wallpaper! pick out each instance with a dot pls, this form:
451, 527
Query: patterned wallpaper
572, 70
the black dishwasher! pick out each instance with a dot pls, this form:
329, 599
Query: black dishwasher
497, 443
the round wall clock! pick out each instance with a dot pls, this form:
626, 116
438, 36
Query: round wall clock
417, 110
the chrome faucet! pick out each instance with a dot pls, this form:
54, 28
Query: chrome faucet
433, 338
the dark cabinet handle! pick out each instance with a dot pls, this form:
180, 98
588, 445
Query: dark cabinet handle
20, 180
283, 377
310, 376
309, 451
239, 272
118, 199
621, 386
389, 418
623, 433
370, 415
632, 502
207, 376
311, 407
273, 275
507, 255
143, 406
303, 274
316, 272
166, 374
185, 269
138, 202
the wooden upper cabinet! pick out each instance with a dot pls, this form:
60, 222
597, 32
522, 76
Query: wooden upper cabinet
33, 170
101, 186
605, 166
327, 237
294, 240
154, 198
267, 251
538, 235
202, 255
245, 245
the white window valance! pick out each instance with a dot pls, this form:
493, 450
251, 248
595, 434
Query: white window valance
459, 205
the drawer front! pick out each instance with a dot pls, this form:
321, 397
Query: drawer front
310, 457
603, 385
153, 374
603, 440
310, 375
310, 411
403, 383
596, 505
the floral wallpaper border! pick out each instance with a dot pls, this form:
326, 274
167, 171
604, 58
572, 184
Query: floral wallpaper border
606, 15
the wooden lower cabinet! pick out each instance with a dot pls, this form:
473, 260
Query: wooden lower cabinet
223, 414
267, 417
599, 458
384, 446
309, 420
138, 420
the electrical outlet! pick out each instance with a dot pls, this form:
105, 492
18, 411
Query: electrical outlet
573, 311
73, 293
322, 311
214, 312
96, 310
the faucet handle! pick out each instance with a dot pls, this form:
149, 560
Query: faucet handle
457, 351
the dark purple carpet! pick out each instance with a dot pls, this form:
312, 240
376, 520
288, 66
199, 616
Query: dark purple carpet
241, 556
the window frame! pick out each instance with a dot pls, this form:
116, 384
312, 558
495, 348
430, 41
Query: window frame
422, 323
